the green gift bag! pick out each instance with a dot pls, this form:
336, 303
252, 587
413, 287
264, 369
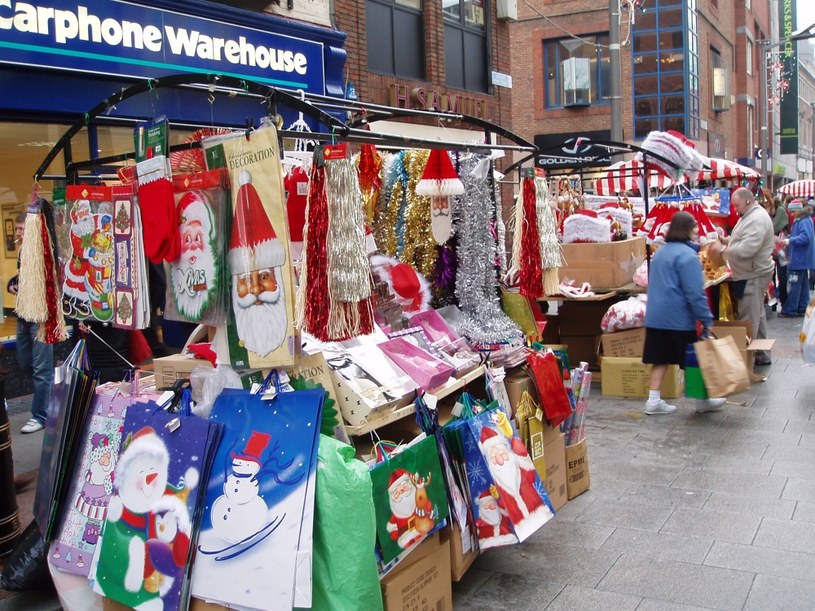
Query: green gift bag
694, 383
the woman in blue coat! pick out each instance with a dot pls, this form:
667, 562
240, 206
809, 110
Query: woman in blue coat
676, 301
801, 250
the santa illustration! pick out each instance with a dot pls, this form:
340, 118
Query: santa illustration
513, 473
83, 226
255, 260
402, 500
492, 522
92, 500
194, 278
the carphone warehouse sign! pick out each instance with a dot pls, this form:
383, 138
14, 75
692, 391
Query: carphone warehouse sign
127, 39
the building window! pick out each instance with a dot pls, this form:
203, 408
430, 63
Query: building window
465, 44
750, 126
395, 37
666, 70
577, 71
748, 66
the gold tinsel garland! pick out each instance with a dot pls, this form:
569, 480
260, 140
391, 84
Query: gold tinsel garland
419, 245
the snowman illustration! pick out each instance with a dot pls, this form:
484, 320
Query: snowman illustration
240, 516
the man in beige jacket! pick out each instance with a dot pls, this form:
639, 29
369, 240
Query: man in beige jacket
749, 252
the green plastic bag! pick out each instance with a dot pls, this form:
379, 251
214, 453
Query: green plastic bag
344, 572
694, 383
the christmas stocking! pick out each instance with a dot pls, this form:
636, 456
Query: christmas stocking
161, 238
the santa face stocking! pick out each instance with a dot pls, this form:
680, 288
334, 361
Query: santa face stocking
441, 219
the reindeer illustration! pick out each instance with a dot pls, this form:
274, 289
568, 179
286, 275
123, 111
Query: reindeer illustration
425, 514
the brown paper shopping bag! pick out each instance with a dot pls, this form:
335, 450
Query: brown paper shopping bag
722, 366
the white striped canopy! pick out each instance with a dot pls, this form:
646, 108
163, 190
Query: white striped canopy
625, 176
724, 169
799, 188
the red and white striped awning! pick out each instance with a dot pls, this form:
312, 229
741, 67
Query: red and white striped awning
625, 176
724, 169
799, 188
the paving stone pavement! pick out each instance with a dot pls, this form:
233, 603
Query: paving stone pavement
686, 511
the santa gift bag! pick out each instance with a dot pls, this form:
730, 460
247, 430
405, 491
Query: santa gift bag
260, 330
509, 501
409, 496
722, 365
197, 279
259, 501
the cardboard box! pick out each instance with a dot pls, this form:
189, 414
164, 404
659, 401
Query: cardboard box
577, 469
583, 348
628, 377
460, 560
516, 383
422, 581
742, 331
554, 453
168, 369
604, 266
623, 343
583, 317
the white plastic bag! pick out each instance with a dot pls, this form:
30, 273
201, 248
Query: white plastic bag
807, 335
207, 383
628, 314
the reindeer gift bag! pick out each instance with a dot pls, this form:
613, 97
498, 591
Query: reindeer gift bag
409, 496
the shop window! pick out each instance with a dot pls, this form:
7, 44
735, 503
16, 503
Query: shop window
749, 56
395, 37
465, 44
577, 71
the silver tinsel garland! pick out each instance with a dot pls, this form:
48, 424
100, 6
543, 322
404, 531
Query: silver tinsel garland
483, 319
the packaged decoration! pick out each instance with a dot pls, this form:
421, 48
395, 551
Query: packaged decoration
197, 280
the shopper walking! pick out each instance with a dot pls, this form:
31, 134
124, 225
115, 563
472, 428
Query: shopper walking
676, 301
778, 214
35, 358
749, 251
801, 247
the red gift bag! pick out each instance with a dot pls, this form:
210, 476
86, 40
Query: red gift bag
549, 381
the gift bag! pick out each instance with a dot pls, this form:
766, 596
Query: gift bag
694, 383
409, 497
509, 501
722, 365
549, 382
150, 530
259, 501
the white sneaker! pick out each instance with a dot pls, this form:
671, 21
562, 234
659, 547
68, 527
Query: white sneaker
654, 408
709, 405
32, 426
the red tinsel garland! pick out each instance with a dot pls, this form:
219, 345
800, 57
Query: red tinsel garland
317, 300
54, 331
531, 279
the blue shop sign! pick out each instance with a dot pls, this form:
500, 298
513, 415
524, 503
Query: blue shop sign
125, 39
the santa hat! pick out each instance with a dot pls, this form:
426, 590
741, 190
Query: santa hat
251, 452
484, 497
585, 226
144, 442
398, 477
439, 178
191, 207
253, 244
490, 437
411, 288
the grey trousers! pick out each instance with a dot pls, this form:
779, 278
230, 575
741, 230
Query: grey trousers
751, 307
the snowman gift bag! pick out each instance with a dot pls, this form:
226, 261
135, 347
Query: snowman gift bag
255, 545
149, 531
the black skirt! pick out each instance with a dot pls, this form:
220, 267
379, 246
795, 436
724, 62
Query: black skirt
666, 346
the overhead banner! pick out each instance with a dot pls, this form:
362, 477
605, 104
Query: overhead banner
127, 39
572, 150
789, 57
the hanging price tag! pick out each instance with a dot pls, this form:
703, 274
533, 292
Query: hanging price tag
335, 151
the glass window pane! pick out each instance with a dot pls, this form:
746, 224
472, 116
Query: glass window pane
604, 91
671, 39
409, 40
672, 60
452, 10
672, 104
642, 127
645, 106
474, 13
670, 18
644, 64
676, 123
645, 85
379, 36
646, 21
475, 62
454, 56
669, 83
417, 4
552, 98
645, 43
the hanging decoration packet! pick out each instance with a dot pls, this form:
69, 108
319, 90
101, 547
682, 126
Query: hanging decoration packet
196, 287
260, 328
256, 500
92, 486
409, 496
131, 299
149, 532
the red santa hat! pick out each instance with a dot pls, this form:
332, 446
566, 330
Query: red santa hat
251, 453
490, 437
439, 178
585, 226
191, 207
485, 496
411, 288
253, 244
398, 477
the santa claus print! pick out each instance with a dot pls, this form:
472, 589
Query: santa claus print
492, 521
402, 500
256, 256
194, 277
514, 477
